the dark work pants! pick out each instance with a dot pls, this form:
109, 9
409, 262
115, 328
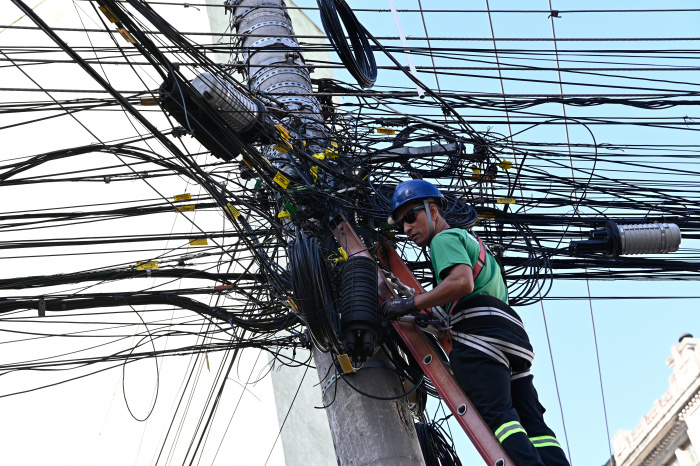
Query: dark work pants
505, 402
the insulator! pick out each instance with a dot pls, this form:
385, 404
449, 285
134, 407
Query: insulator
240, 111
650, 238
359, 317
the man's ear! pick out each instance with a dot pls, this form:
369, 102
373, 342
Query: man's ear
434, 211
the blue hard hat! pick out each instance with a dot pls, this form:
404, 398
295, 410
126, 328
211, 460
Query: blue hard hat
414, 190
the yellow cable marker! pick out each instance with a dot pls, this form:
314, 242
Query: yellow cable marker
284, 146
283, 132
150, 265
386, 131
332, 153
245, 161
345, 364
314, 172
506, 164
283, 214
232, 210
281, 180
341, 258
108, 13
284, 149
182, 197
125, 34
199, 242
505, 200
185, 208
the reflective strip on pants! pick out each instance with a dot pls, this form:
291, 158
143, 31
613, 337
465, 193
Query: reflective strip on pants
508, 429
545, 441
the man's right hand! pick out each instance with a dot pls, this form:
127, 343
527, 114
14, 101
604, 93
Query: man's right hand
397, 307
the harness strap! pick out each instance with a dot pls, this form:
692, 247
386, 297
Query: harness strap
431, 229
482, 311
481, 261
476, 270
496, 349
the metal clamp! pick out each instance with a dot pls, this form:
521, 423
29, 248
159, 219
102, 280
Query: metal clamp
328, 383
264, 43
301, 101
267, 23
288, 84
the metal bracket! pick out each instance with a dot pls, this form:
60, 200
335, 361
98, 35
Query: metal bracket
366, 365
328, 383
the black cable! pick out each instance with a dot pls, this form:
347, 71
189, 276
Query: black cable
357, 57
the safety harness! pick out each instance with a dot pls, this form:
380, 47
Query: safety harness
494, 347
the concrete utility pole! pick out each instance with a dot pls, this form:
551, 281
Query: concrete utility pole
368, 431
365, 431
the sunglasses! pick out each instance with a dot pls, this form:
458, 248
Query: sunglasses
409, 217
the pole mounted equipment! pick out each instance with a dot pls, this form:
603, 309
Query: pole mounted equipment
616, 240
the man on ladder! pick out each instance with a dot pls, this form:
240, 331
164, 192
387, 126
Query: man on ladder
491, 355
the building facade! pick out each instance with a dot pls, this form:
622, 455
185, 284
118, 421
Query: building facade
669, 434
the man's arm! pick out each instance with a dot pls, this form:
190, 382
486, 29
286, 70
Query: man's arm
458, 282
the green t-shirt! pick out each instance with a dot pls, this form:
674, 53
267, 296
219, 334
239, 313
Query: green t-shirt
457, 246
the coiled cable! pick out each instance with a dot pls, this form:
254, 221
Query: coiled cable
358, 57
313, 292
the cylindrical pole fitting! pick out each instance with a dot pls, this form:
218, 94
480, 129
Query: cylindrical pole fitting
651, 238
